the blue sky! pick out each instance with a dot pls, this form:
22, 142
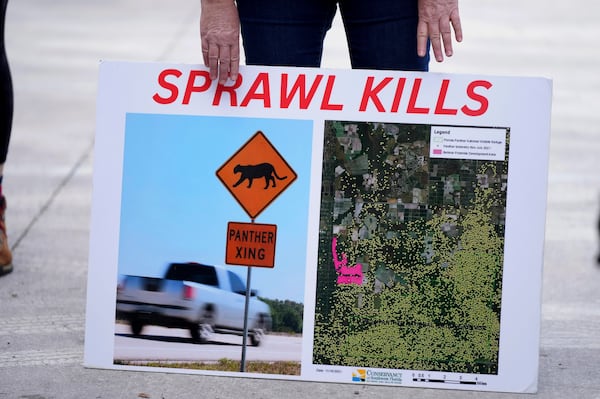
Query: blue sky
175, 209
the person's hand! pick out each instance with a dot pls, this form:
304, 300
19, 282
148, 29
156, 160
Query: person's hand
220, 38
437, 19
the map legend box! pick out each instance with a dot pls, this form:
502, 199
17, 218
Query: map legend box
478, 143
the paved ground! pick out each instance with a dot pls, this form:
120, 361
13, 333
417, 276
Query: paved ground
54, 49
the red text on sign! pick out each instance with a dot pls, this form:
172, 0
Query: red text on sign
417, 104
388, 94
198, 81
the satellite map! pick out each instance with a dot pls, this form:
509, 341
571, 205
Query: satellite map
411, 244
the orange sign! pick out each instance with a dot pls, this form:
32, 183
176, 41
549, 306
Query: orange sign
256, 174
251, 244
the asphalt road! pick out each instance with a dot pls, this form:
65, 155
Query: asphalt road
54, 48
164, 344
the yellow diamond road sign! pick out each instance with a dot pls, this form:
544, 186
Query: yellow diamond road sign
256, 174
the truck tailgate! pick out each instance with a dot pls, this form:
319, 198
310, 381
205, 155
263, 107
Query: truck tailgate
153, 291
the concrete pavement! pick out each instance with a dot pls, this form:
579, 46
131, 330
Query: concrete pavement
54, 49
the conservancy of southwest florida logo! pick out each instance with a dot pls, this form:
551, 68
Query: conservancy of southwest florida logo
360, 375
376, 376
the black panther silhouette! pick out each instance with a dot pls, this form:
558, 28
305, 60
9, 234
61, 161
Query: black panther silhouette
251, 172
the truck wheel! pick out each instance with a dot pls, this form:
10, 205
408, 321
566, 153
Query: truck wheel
203, 331
136, 326
256, 337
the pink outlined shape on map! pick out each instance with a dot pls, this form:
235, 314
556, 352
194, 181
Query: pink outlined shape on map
346, 274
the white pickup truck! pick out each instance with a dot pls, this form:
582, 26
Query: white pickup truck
201, 298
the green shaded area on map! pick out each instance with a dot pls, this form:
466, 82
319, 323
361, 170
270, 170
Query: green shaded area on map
428, 235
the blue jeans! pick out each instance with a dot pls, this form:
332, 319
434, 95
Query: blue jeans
381, 34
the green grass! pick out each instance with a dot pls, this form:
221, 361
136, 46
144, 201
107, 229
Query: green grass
284, 368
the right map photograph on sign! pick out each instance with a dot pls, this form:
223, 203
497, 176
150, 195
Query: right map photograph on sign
411, 246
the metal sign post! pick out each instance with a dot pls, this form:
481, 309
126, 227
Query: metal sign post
247, 305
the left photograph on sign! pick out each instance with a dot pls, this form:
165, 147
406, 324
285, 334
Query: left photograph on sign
178, 304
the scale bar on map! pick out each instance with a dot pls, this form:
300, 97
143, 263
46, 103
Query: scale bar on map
463, 382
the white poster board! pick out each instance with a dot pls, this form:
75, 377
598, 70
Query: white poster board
411, 239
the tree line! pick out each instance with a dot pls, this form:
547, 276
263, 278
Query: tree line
286, 315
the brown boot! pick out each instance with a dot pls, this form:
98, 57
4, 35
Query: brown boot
5, 254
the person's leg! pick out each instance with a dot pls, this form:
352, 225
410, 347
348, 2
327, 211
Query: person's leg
6, 113
382, 34
6, 92
285, 32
